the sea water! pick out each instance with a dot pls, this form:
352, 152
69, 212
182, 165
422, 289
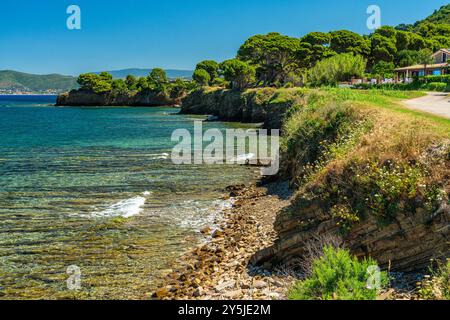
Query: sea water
95, 188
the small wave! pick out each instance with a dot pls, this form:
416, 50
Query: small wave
159, 156
125, 208
195, 215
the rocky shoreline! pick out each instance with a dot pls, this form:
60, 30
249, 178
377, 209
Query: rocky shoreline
220, 267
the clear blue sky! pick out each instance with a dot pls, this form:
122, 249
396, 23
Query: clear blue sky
169, 33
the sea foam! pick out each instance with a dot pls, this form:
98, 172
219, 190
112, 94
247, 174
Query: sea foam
125, 208
198, 214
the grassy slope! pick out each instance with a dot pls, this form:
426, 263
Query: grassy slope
390, 100
375, 157
345, 146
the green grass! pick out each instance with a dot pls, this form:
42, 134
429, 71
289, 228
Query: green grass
356, 154
388, 99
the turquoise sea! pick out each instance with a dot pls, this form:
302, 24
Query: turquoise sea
95, 188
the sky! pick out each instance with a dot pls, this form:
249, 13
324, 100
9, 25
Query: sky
172, 34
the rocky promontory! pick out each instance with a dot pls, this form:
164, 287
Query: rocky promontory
266, 105
140, 99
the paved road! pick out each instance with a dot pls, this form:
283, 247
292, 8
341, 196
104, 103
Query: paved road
434, 102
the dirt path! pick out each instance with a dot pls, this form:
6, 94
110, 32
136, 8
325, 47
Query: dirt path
437, 103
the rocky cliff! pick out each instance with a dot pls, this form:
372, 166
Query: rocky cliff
407, 244
86, 98
266, 105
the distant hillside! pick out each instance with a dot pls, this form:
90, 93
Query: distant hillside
439, 16
14, 81
171, 73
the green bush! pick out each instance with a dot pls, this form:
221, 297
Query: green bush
339, 276
429, 79
436, 86
201, 77
417, 85
341, 67
389, 86
240, 74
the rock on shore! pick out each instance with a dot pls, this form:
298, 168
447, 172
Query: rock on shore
219, 268
265, 105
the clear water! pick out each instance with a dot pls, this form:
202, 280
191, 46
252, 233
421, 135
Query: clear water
94, 187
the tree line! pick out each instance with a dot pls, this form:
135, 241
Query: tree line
318, 58
156, 82
325, 58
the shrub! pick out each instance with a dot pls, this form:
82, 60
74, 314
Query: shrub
119, 86
442, 78
202, 77
314, 134
239, 73
417, 85
339, 276
359, 189
342, 67
314, 250
157, 80
220, 82
389, 86
436, 86
437, 287
210, 66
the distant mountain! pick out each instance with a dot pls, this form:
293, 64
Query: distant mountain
13, 81
171, 73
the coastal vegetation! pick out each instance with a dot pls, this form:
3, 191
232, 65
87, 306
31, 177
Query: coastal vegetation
341, 67
156, 81
18, 82
275, 60
337, 275
437, 286
102, 89
312, 60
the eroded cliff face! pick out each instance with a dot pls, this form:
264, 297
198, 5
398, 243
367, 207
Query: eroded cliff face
386, 197
86, 98
268, 105
405, 245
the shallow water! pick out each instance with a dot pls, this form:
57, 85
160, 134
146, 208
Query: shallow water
95, 188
